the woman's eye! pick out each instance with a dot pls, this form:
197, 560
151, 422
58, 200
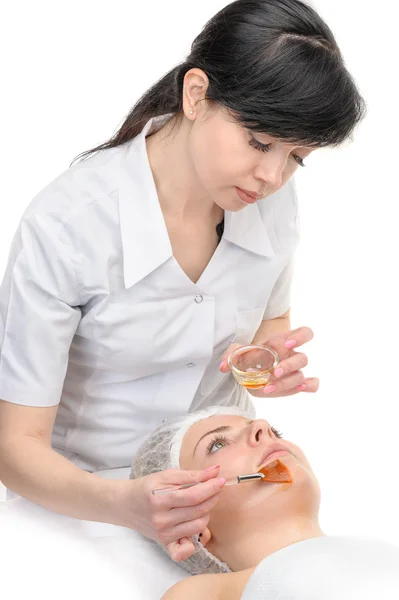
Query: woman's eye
258, 145
216, 444
267, 147
216, 447
276, 432
299, 160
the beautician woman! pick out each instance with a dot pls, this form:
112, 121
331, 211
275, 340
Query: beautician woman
134, 272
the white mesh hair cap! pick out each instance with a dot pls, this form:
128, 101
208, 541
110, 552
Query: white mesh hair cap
161, 451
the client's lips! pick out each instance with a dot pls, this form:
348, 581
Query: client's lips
272, 453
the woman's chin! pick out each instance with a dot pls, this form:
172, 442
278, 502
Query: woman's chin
273, 494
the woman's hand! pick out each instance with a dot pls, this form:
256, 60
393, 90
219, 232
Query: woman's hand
288, 378
171, 519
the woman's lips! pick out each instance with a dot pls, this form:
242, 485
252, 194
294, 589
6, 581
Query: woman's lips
273, 457
247, 197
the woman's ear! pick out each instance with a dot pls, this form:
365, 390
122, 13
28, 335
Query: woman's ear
205, 536
196, 83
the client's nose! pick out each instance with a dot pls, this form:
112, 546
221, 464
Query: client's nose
258, 430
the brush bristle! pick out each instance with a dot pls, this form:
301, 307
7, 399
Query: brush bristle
276, 472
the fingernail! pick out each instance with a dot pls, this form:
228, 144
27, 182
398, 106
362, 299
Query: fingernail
269, 389
301, 387
222, 481
212, 468
278, 372
222, 364
290, 343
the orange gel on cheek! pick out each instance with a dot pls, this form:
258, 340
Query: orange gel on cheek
276, 472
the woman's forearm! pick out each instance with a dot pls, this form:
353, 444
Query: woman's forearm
35, 471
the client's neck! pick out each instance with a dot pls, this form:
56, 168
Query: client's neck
250, 546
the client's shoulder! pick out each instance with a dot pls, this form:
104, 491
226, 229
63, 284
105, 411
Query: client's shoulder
196, 588
224, 586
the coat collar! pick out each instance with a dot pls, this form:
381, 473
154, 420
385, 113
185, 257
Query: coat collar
145, 240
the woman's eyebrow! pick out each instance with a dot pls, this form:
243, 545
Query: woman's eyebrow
217, 430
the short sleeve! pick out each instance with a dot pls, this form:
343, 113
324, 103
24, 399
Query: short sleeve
39, 315
280, 298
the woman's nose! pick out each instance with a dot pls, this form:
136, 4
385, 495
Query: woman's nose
258, 431
270, 170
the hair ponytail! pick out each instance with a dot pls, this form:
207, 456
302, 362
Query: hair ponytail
164, 97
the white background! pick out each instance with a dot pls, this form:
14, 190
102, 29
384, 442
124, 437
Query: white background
70, 73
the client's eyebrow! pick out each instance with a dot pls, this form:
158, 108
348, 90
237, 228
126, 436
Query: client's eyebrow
217, 430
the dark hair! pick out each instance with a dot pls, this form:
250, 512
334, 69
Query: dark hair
276, 67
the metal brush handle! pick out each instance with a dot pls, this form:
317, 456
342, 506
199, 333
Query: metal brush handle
238, 479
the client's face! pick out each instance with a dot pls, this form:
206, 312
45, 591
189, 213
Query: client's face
240, 447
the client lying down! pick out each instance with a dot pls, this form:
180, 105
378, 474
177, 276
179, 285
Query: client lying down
263, 540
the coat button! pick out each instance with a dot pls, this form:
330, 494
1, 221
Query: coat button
198, 299
190, 365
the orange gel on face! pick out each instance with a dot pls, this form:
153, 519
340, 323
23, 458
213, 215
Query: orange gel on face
276, 472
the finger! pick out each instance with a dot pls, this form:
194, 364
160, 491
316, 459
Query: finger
296, 362
286, 383
298, 337
181, 476
194, 512
224, 367
310, 385
193, 496
181, 549
189, 528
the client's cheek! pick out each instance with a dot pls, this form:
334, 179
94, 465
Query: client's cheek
235, 460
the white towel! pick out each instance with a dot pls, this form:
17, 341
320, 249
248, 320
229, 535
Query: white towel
328, 568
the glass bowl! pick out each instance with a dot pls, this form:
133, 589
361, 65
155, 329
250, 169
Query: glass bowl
252, 366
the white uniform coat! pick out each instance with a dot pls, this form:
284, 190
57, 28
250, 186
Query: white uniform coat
98, 316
